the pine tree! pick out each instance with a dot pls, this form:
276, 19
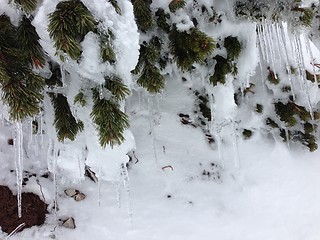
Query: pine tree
69, 22
21, 87
190, 47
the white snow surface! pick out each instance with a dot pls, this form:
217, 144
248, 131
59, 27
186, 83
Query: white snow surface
259, 188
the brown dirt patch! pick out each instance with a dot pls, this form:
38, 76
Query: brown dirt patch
33, 210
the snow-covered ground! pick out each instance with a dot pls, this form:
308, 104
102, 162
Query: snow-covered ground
273, 194
177, 186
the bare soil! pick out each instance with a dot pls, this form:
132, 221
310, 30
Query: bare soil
34, 210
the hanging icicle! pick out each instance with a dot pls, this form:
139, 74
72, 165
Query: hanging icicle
126, 185
18, 142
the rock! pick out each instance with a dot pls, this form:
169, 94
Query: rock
79, 196
71, 192
69, 223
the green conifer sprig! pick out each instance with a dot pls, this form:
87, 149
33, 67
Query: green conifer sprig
143, 14
23, 94
80, 99
109, 119
162, 20
21, 88
106, 47
233, 47
28, 39
174, 5
27, 5
221, 68
189, 47
151, 79
65, 123
115, 4
118, 89
70, 22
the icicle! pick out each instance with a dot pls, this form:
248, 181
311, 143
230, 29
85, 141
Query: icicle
275, 34
101, 91
266, 41
30, 141
41, 128
54, 173
63, 75
235, 146
271, 49
19, 164
302, 73
151, 122
283, 45
99, 182
287, 137
126, 185
312, 58
118, 194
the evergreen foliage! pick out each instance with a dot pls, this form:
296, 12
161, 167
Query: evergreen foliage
107, 52
162, 20
189, 47
174, 5
150, 76
221, 68
118, 89
65, 123
272, 77
143, 14
28, 39
233, 47
115, 4
21, 88
70, 22
27, 5
80, 99
109, 119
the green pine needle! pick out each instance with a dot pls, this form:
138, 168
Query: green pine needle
190, 47
115, 4
143, 14
118, 89
174, 5
110, 120
65, 123
27, 5
70, 22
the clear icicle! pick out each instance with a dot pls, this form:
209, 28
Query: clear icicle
311, 56
151, 122
302, 73
19, 164
119, 194
235, 146
63, 75
126, 185
41, 128
54, 172
283, 46
287, 137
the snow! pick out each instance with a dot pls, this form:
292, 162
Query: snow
260, 188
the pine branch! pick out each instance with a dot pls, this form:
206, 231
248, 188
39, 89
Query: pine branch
188, 48
110, 120
151, 79
143, 14
28, 39
64, 122
69, 22
115, 4
162, 18
107, 52
174, 5
118, 89
80, 98
27, 5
